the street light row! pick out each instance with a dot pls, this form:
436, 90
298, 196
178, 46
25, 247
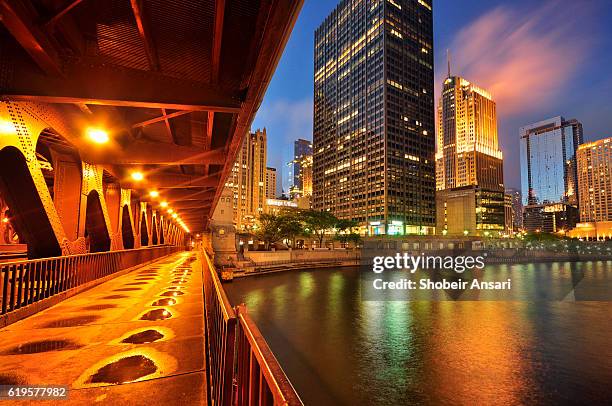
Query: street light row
100, 136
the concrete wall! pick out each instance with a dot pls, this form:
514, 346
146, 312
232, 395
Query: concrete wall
261, 257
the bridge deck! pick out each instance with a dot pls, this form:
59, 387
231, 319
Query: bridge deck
122, 342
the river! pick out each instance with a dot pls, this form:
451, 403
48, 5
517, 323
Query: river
338, 349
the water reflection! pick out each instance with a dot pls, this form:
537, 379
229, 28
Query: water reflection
425, 352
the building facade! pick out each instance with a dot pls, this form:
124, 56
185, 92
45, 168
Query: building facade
548, 174
374, 125
270, 183
517, 208
594, 161
468, 147
300, 169
470, 196
248, 180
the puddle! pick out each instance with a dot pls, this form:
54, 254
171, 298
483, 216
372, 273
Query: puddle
73, 321
174, 287
145, 279
125, 289
156, 314
144, 337
124, 370
172, 293
115, 297
35, 347
135, 283
101, 307
164, 302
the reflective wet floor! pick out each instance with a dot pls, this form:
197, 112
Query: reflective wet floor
136, 339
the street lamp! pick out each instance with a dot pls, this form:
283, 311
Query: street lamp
97, 135
154, 193
137, 176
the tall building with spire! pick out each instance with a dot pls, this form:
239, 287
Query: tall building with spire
469, 163
374, 121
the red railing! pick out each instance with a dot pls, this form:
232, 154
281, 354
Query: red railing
25, 282
242, 368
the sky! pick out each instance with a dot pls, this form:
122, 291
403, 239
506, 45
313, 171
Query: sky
539, 59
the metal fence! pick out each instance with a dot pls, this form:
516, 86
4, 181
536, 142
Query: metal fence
242, 368
29, 281
221, 330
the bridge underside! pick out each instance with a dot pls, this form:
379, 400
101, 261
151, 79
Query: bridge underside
175, 86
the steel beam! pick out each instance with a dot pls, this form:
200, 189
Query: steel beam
154, 153
17, 21
165, 180
116, 86
145, 34
163, 117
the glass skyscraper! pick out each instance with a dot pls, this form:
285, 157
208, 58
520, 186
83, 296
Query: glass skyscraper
548, 173
374, 136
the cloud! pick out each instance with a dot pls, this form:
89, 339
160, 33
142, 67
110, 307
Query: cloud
287, 120
523, 57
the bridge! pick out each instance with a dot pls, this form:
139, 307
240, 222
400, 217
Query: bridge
120, 121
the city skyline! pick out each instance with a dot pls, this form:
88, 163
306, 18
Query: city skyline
287, 108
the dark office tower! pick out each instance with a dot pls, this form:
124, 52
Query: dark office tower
301, 169
374, 135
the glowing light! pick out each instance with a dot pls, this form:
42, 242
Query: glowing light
5, 220
137, 176
7, 127
170, 211
97, 135
174, 215
154, 193
164, 204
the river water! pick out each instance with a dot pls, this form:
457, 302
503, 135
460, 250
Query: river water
338, 349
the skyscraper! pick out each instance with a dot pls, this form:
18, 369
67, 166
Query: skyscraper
517, 208
373, 116
470, 196
468, 149
270, 183
548, 174
301, 169
595, 181
248, 180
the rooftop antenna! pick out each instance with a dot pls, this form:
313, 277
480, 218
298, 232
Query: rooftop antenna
448, 61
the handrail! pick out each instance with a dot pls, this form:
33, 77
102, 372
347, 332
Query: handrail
255, 361
25, 282
242, 368
220, 321
88, 254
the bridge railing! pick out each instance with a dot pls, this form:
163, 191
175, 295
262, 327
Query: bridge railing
242, 368
260, 379
29, 281
221, 330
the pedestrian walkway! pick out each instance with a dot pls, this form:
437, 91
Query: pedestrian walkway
137, 339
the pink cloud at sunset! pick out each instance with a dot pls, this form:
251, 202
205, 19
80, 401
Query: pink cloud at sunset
522, 57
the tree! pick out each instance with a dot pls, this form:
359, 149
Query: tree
291, 227
318, 223
269, 229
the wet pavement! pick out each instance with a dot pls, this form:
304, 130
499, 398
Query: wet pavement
137, 339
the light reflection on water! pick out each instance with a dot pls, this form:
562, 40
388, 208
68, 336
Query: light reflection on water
338, 349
